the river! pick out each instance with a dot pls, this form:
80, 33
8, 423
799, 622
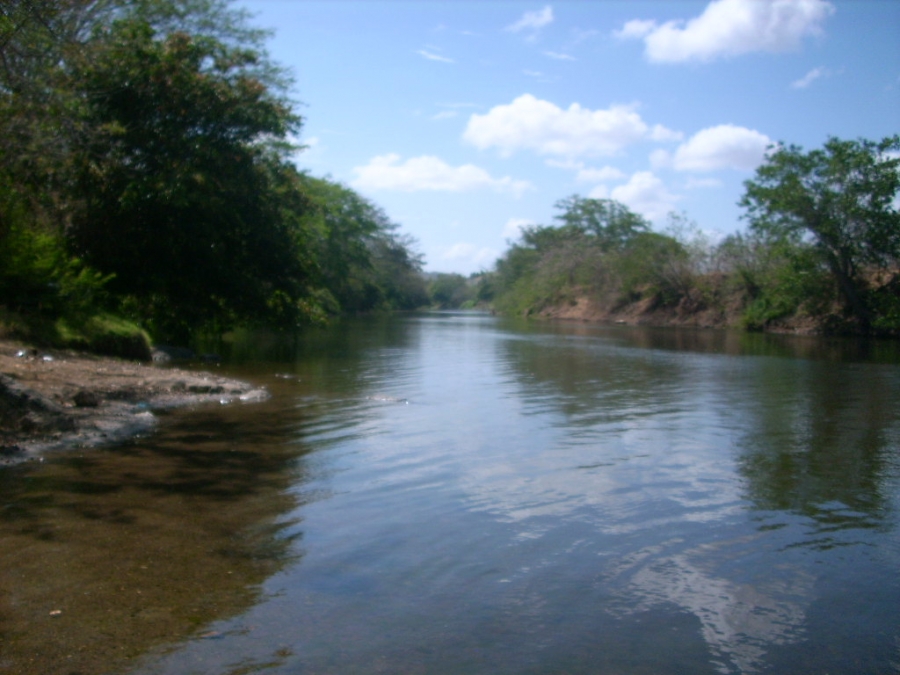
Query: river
461, 493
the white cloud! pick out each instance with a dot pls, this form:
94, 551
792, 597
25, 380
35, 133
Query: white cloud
601, 175
386, 172
431, 56
532, 73
529, 123
533, 20
810, 77
721, 147
514, 226
646, 194
599, 192
560, 56
730, 28
636, 28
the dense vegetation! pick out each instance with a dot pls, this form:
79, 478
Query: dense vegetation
823, 248
147, 183
145, 173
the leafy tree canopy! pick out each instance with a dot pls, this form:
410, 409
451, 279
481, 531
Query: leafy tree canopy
841, 200
611, 222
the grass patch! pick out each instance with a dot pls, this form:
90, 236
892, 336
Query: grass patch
98, 333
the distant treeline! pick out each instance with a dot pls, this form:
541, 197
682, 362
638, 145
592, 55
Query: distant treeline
822, 249
146, 174
147, 182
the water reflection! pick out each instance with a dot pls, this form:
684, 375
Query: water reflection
108, 552
667, 431
455, 493
819, 444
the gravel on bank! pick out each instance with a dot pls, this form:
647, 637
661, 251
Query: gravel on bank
57, 399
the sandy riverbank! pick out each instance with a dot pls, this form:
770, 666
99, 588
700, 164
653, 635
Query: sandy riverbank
56, 399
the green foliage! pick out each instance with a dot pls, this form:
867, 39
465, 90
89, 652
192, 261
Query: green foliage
149, 139
102, 334
610, 222
840, 201
600, 246
38, 276
364, 264
183, 201
450, 291
652, 263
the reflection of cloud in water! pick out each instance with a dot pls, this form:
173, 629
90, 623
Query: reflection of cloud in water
739, 621
640, 497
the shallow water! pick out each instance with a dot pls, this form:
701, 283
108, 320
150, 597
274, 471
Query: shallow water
457, 493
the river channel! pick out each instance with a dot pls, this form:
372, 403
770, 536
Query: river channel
460, 493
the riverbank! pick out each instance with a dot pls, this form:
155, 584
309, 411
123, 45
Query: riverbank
58, 399
691, 311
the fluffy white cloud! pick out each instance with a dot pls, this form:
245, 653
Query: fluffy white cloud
646, 194
513, 227
731, 27
636, 28
721, 147
386, 172
529, 123
810, 77
533, 20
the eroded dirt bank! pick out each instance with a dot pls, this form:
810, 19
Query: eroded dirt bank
689, 312
52, 399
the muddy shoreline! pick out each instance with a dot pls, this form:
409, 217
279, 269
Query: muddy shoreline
53, 400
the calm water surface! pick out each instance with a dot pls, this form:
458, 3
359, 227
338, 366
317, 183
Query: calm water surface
457, 493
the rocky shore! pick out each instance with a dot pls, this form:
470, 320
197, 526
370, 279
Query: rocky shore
55, 399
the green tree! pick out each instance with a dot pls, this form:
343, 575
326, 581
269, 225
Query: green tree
841, 201
365, 265
449, 291
185, 197
612, 223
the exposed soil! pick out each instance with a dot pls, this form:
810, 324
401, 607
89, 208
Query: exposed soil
690, 311
53, 399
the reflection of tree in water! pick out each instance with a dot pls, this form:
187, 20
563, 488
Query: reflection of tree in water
820, 440
809, 435
109, 553
593, 381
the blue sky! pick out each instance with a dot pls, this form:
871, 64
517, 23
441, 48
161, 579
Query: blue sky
465, 120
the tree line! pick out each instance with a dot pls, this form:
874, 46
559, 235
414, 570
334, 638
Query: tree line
823, 245
146, 172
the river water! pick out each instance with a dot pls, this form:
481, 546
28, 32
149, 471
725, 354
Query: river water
460, 493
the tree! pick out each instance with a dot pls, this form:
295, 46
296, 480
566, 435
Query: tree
364, 264
841, 201
612, 223
185, 198
449, 291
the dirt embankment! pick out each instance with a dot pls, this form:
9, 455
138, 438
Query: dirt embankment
648, 311
690, 311
56, 399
